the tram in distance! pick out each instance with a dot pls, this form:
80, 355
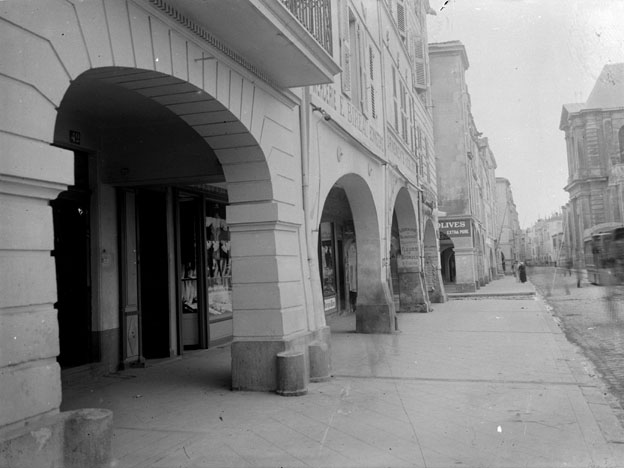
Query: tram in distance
604, 255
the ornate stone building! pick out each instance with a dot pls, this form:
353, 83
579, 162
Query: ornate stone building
594, 133
508, 231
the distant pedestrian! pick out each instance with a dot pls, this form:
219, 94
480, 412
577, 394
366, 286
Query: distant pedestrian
579, 272
522, 272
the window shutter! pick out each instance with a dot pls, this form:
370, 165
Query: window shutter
362, 70
401, 16
345, 48
420, 75
403, 92
371, 71
394, 99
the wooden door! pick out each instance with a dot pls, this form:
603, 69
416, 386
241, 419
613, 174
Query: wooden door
130, 300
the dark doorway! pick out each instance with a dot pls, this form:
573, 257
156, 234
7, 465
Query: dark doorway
70, 214
153, 271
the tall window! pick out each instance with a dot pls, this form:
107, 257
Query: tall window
404, 120
427, 160
357, 60
621, 141
395, 99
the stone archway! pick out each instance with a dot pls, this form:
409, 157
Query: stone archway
411, 278
374, 313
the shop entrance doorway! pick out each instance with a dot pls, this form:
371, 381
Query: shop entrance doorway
153, 272
447, 257
70, 214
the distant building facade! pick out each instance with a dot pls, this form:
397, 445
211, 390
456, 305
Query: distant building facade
594, 133
465, 170
507, 226
543, 242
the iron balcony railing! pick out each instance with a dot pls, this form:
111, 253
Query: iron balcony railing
315, 16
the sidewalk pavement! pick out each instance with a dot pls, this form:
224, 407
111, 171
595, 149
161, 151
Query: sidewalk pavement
506, 286
476, 383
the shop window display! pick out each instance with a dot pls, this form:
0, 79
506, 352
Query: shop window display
205, 271
328, 266
218, 264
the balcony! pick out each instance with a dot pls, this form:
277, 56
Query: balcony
289, 41
315, 16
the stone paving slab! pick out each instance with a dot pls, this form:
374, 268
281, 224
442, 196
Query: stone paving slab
487, 383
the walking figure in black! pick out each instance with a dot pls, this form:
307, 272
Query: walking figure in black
522, 272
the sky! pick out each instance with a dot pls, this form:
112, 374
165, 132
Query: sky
528, 58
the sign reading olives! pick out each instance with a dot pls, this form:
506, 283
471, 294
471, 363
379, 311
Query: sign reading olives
455, 227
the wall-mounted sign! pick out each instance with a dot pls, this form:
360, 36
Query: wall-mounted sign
74, 137
455, 227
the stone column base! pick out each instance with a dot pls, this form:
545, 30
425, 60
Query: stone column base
438, 296
374, 319
72, 439
255, 367
412, 292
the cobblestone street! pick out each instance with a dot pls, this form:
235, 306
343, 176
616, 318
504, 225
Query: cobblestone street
592, 317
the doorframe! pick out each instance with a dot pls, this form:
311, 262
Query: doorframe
122, 210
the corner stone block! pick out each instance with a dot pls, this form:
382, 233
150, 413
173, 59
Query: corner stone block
32, 389
28, 336
254, 366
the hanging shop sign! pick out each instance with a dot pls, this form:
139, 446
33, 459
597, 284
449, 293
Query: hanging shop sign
455, 227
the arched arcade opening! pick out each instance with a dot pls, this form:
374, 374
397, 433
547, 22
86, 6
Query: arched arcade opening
161, 167
350, 259
408, 277
155, 275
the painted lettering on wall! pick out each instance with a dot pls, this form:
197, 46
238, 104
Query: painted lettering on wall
401, 158
349, 114
409, 248
455, 227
